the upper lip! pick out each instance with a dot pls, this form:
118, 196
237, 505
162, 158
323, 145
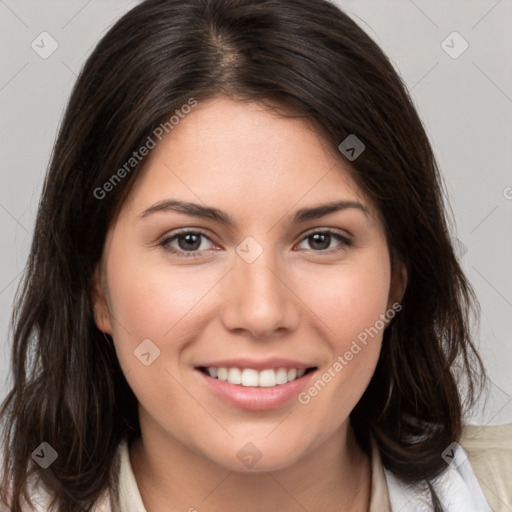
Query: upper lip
256, 364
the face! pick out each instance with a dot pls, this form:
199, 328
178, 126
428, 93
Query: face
246, 252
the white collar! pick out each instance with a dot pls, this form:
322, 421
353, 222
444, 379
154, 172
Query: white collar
457, 488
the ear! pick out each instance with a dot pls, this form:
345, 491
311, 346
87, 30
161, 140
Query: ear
398, 283
100, 304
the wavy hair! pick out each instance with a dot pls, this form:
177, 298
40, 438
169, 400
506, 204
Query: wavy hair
310, 58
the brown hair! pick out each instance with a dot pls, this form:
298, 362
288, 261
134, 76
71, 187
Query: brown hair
310, 57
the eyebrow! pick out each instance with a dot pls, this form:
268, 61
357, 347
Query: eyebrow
207, 212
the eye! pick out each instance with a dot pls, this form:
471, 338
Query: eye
186, 243
190, 243
323, 240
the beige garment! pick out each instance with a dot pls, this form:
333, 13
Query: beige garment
489, 451
131, 501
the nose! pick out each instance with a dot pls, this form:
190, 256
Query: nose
256, 298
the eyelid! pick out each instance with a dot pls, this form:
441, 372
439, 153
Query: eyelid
344, 235
181, 231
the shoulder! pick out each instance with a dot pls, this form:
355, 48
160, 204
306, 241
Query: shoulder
41, 500
489, 450
41, 503
477, 437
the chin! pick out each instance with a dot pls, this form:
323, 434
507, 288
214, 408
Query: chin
257, 454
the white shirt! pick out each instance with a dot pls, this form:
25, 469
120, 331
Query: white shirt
478, 478
458, 488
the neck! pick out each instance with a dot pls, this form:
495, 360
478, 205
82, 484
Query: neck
335, 476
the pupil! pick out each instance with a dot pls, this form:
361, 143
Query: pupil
192, 239
320, 241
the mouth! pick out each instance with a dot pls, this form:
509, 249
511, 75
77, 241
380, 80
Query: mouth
250, 377
254, 389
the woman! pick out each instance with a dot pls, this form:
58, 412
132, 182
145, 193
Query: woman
241, 292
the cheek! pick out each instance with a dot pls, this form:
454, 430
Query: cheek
156, 301
349, 299
152, 300
166, 305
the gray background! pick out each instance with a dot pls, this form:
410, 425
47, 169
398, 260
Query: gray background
465, 102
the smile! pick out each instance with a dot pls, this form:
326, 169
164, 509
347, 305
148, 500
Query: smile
249, 377
255, 385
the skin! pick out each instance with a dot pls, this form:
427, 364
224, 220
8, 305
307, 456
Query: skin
293, 301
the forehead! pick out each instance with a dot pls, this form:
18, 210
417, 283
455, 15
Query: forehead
226, 152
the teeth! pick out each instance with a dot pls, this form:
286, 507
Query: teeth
267, 379
222, 374
281, 376
249, 377
235, 376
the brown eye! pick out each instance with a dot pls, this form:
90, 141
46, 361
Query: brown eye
187, 243
324, 240
319, 241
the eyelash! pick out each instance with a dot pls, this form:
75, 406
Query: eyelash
345, 242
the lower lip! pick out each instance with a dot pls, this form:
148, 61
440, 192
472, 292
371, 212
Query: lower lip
255, 398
